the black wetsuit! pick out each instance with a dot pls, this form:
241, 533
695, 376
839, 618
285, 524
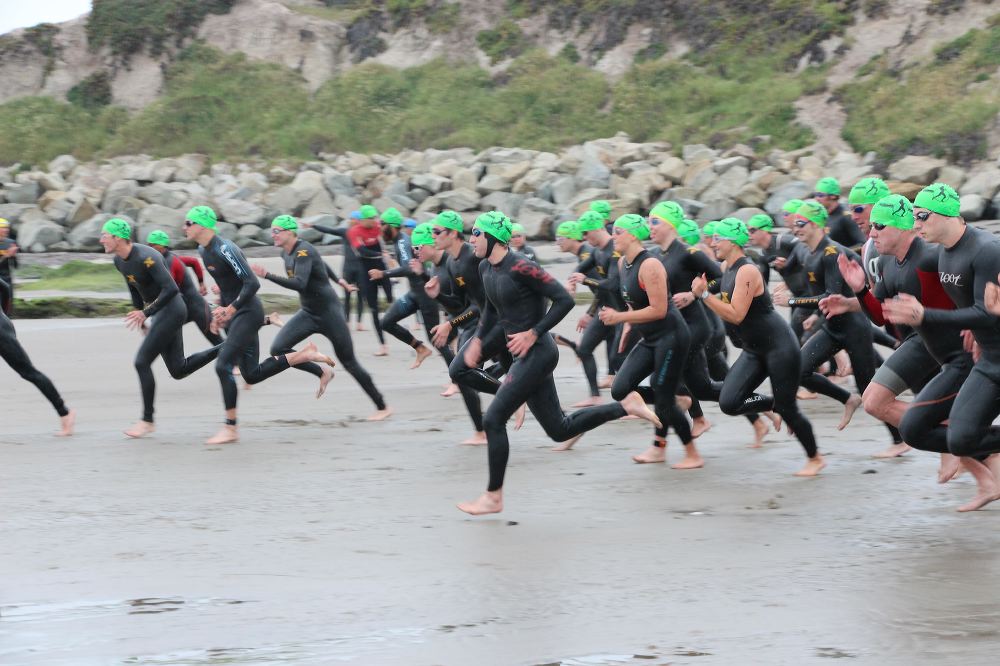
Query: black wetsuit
352, 267
309, 275
843, 229
13, 353
155, 293
607, 293
770, 349
527, 251
6, 265
238, 287
889, 335
517, 291
963, 269
659, 355
198, 310
413, 301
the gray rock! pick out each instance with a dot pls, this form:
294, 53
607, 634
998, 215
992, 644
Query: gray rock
52, 181
345, 205
727, 184
676, 194
751, 196
171, 195
531, 182
547, 161
716, 210
918, 169
581, 202
364, 175
338, 183
593, 172
984, 181
506, 155
138, 171
243, 213
13, 212
794, 190
39, 234
698, 152
227, 231
445, 168
278, 175
534, 204
563, 189
62, 165
507, 202
973, 206
252, 232
321, 203
164, 170
459, 200
131, 207
308, 183
749, 211
81, 211
59, 210
954, 176
253, 181
673, 169
190, 166
429, 205
402, 201
467, 177
493, 183
287, 200
510, 172
85, 236
418, 195
226, 170
18, 193
537, 224
723, 165
117, 191
430, 182
155, 216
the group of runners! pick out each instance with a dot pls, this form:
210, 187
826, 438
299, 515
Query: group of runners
667, 295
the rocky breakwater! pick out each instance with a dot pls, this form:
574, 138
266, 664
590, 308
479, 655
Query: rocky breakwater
62, 207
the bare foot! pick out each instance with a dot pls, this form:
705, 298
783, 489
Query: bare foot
805, 395
423, 353
383, 350
274, 319
380, 415
987, 488
476, 440
684, 402
360, 327
589, 402
488, 502
760, 431
813, 466
140, 429
700, 426
449, 390
519, 416
850, 407
950, 467
634, 405
893, 451
67, 422
228, 435
692, 459
323, 381
568, 444
606, 382
236, 371
775, 420
654, 454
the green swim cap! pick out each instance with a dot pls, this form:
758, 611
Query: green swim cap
939, 198
517, 229
689, 232
828, 186
760, 221
814, 212
423, 234
569, 230
732, 229
392, 217
117, 227
868, 191
590, 221
633, 224
603, 207
158, 237
449, 219
495, 224
204, 216
367, 212
670, 211
791, 206
894, 210
709, 229
286, 222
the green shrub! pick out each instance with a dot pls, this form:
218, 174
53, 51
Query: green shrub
94, 92
570, 53
129, 26
37, 129
504, 41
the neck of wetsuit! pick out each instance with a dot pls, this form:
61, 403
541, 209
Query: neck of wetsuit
491, 244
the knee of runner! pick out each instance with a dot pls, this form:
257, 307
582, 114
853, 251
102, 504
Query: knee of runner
619, 391
874, 402
962, 440
729, 404
493, 423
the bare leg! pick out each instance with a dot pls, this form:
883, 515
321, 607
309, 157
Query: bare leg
850, 407
383, 350
894, 451
489, 502
987, 487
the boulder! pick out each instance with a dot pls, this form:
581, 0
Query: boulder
466, 177
918, 169
908, 190
171, 195
445, 168
698, 152
81, 211
164, 170
117, 191
131, 207
429, 205
338, 183
531, 182
402, 201
321, 203
85, 236
563, 189
38, 235
189, 167
547, 161
509, 172
796, 189
364, 175
984, 181
747, 212
13, 212
155, 216
287, 200
309, 183
253, 181
723, 165
59, 209
22, 193
593, 171
242, 213
672, 168
716, 210
49, 198
493, 183
750, 195
459, 200
973, 206
430, 182
279, 175
581, 202
62, 165
508, 203
52, 181
537, 224
952, 175
727, 184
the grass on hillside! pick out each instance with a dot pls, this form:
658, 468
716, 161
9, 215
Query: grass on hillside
943, 108
74, 275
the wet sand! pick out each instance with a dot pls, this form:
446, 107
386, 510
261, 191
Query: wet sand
324, 539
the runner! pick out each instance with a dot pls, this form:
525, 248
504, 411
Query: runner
241, 314
517, 242
364, 239
603, 208
8, 262
665, 339
840, 226
517, 291
968, 261
198, 310
770, 350
13, 353
159, 313
308, 274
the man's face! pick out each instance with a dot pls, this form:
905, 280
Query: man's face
887, 239
930, 226
805, 230
861, 214
162, 249
759, 237
4, 232
517, 241
593, 237
442, 237
479, 243
370, 222
109, 242
279, 236
424, 253
829, 201
190, 232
